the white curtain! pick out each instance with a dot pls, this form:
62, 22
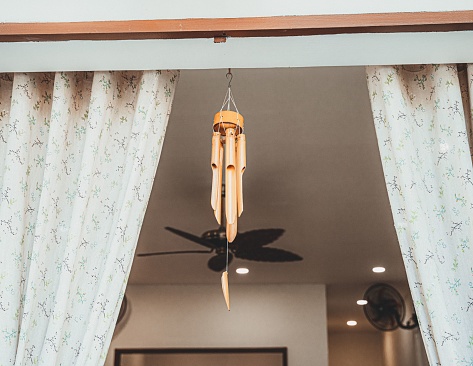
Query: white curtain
422, 118
78, 155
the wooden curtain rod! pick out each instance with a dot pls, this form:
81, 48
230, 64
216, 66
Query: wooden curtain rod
275, 26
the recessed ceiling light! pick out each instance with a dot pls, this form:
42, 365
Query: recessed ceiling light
242, 270
379, 269
362, 302
352, 323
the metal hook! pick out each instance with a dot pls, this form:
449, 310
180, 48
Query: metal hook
229, 73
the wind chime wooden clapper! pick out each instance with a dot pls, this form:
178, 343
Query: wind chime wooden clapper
228, 140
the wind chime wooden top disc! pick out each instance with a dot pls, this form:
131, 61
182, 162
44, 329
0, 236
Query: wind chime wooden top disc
224, 120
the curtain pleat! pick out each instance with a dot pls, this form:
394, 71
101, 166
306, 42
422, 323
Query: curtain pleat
79, 152
422, 115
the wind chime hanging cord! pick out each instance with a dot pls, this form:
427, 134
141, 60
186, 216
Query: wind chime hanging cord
229, 76
229, 99
226, 265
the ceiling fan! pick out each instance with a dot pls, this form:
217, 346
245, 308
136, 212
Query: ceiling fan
250, 245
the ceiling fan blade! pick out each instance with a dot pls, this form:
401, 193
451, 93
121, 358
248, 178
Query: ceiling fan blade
191, 237
257, 238
218, 262
174, 252
267, 255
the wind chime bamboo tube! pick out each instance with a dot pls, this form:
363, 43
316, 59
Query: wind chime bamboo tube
232, 231
218, 210
241, 165
230, 177
230, 184
215, 163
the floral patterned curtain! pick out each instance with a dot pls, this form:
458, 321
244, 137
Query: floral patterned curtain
422, 116
78, 155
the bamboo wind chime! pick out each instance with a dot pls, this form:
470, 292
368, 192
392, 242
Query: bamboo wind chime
228, 140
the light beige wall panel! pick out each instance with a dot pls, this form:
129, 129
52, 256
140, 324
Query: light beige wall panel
352, 348
292, 316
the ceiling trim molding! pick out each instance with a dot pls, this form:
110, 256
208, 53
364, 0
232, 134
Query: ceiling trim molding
274, 26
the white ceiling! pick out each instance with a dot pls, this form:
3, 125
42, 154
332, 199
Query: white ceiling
313, 168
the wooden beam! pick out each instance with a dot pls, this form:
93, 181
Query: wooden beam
275, 26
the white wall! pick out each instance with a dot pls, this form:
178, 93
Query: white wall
353, 348
309, 51
87, 10
396, 348
404, 348
292, 316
